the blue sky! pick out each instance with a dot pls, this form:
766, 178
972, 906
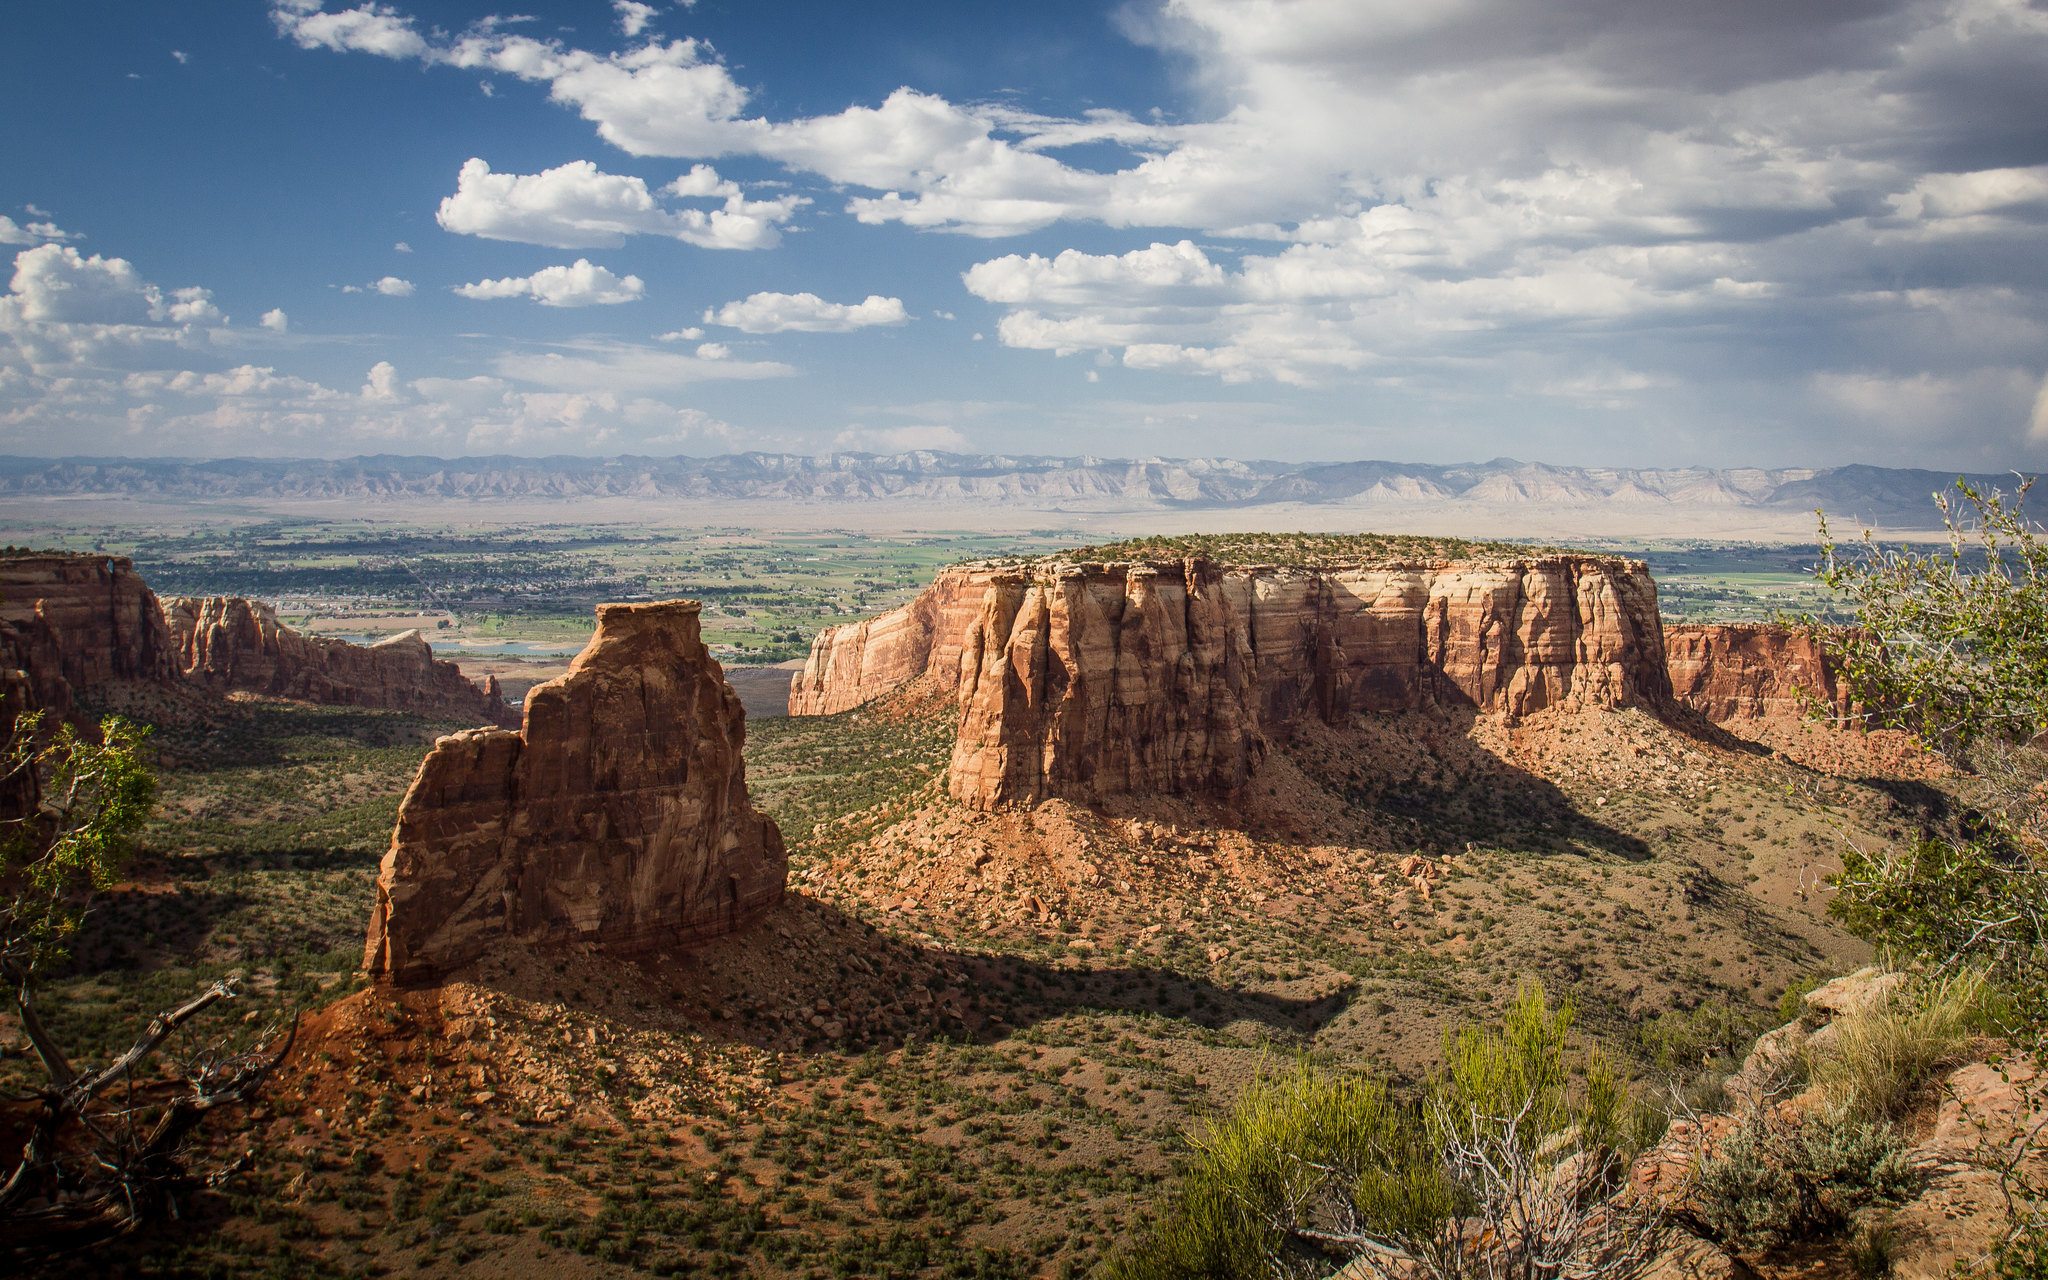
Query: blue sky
1584, 231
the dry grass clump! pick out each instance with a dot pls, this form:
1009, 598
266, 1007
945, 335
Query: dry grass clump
1873, 1061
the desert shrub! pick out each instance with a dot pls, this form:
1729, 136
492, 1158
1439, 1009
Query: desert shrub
1953, 646
1297, 1142
1876, 1059
1505, 1165
1682, 1042
1792, 1000
1777, 1179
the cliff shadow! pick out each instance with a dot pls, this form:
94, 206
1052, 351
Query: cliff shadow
809, 976
269, 904
1426, 780
142, 927
1695, 725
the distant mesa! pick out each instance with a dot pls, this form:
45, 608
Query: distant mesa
1737, 672
229, 644
1085, 678
74, 625
618, 814
1115, 671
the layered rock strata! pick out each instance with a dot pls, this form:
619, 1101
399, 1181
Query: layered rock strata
1088, 680
230, 644
1744, 672
72, 623
617, 815
860, 661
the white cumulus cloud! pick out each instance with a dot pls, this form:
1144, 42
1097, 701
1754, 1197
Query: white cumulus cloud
389, 286
65, 312
633, 16
805, 313
1074, 277
580, 284
579, 206
368, 28
95, 357
12, 232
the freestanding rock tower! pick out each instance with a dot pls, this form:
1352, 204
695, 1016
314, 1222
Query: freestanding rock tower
617, 814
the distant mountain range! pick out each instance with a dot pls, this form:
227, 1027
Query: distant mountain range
1881, 494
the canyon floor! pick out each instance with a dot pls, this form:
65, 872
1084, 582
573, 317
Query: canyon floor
967, 1044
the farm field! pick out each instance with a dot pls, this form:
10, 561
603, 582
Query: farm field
527, 591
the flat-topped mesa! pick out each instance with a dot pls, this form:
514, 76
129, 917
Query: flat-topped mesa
1092, 680
230, 644
617, 815
1088, 679
72, 623
1746, 672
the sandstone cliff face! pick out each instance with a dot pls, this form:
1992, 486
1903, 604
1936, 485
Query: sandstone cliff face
861, 661
228, 643
617, 815
71, 623
1737, 673
1089, 680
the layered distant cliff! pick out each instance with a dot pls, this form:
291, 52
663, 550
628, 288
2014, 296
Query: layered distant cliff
73, 623
617, 815
861, 661
1875, 494
230, 644
1734, 673
1088, 679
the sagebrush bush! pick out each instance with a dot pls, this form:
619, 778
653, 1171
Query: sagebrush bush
1778, 1179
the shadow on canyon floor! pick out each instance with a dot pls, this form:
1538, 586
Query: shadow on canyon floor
1442, 788
809, 976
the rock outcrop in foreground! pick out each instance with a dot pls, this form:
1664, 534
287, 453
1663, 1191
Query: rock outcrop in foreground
618, 815
1745, 672
73, 623
1089, 679
230, 644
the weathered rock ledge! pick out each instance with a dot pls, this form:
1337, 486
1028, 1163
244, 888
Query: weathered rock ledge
228, 644
617, 815
860, 661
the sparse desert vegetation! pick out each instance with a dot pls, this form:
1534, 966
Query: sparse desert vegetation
991, 1043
